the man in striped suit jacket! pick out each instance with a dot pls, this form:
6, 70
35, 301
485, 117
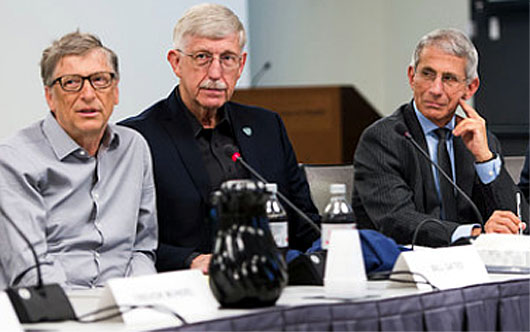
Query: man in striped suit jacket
396, 188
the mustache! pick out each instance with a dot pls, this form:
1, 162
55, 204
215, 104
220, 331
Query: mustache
209, 84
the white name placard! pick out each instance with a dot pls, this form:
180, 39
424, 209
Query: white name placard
8, 317
185, 293
443, 267
504, 249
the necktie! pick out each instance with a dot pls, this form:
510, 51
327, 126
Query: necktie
446, 189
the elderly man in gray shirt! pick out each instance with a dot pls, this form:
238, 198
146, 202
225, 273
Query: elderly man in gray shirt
80, 189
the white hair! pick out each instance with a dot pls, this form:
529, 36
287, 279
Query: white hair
210, 21
453, 42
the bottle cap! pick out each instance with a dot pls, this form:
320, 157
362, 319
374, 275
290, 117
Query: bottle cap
241, 185
337, 188
271, 187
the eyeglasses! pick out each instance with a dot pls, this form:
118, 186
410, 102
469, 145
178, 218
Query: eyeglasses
229, 61
74, 83
449, 80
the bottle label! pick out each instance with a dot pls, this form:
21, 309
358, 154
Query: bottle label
279, 233
327, 228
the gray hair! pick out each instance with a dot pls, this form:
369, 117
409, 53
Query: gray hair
209, 21
453, 42
74, 43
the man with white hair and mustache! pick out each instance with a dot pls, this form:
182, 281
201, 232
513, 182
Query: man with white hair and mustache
188, 133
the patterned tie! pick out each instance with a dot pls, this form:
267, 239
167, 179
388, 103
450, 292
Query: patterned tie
446, 188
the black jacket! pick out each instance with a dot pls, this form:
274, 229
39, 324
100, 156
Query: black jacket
182, 182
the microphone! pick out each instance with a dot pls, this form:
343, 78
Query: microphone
420, 225
39, 303
402, 130
232, 152
254, 81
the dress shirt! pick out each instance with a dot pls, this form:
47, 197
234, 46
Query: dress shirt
89, 218
212, 142
487, 171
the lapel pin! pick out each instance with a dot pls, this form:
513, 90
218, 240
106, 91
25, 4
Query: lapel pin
247, 131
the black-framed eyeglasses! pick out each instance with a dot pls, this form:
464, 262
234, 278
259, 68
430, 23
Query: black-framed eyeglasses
228, 61
74, 83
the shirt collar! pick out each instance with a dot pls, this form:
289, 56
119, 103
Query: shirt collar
111, 138
196, 126
63, 145
427, 125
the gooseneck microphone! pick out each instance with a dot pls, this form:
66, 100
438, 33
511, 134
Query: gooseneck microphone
420, 225
39, 303
231, 152
256, 78
402, 130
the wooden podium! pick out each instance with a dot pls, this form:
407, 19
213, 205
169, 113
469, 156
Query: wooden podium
324, 123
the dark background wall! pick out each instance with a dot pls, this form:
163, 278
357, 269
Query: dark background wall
502, 36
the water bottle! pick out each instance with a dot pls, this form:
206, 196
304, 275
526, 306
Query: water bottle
277, 218
338, 214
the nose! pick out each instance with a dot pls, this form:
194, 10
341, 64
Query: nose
437, 87
87, 92
215, 70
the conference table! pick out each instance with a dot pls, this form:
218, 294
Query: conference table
501, 304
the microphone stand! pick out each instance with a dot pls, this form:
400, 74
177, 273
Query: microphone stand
254, 81
447, 177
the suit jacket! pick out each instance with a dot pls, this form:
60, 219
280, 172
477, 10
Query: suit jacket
182, 183
394, 186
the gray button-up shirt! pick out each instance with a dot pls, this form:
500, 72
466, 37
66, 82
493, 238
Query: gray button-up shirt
89, 218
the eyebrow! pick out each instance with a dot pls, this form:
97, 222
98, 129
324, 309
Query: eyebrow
201, 49
443, 73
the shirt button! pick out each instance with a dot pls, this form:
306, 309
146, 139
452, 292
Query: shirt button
490, 173
96, 196
96, 254
82, 153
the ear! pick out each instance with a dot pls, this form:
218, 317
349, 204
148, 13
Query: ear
174, 57
116, 94
471, 88
410, 74
243, 61
49, 98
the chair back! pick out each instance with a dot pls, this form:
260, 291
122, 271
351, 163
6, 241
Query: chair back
514, 165
320, 177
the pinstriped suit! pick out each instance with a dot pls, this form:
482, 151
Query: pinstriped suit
394, 187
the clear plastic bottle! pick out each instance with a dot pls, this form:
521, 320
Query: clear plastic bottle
277, 218
338, 213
